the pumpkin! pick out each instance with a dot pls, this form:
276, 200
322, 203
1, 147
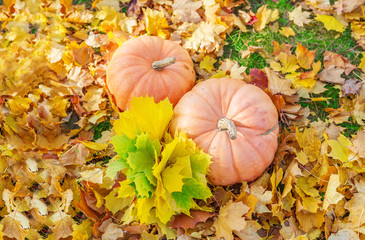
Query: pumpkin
149, 65
236, 123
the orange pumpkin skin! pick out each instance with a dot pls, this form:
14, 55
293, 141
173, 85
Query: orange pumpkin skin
129, 73
254, 115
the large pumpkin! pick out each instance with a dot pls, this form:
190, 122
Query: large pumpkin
149, 65
235, 122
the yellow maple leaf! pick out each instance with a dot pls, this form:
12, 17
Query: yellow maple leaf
308, 79
288, 62
330, 23
287, 31
220, 74
82, 231
339, 148
332, 196
207, 63
156, 23
144, 115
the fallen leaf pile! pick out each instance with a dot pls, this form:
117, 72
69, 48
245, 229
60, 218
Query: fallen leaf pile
63, 179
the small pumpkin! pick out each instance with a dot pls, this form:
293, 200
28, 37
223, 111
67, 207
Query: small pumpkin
149, 65
235, 122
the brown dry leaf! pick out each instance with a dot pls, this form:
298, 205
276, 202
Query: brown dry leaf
332, 75
350, 87
250, 231
12, 228
359, 144
184, 221
76, 155
278, 85
337, 60
333, 131
299, 17
185, 10
308, 221
63, 227
356, 207
230, 219
206, 38
347, 6
344, 234
112, 232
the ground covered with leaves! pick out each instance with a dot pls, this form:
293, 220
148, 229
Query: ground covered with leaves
70, 162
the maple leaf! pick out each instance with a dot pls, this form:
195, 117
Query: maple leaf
359, 144
76, 155
206, 38
343, 234
144, 115
186, 10
156, 23
112, 232
287, 31
308, 79
299, 17
356, 206
184, 221
337, 60
230, 219
114, 204
348, 6
259, 78
277, 84
332, 196
332, 75
350, 87
330, 23
339, 148
12, 227
63, 226
265, 16
250, 231
207, 63
82, 231
304, 56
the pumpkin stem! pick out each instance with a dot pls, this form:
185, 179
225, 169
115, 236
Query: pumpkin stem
159, 65
227, 124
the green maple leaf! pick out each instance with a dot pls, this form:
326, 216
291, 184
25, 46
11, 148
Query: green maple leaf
192, 188
123, 145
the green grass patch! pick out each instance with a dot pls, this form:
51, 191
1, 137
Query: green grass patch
101, 127
319, 107
351, 128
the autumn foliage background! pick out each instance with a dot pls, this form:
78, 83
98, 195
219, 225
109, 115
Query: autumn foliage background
62, 175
